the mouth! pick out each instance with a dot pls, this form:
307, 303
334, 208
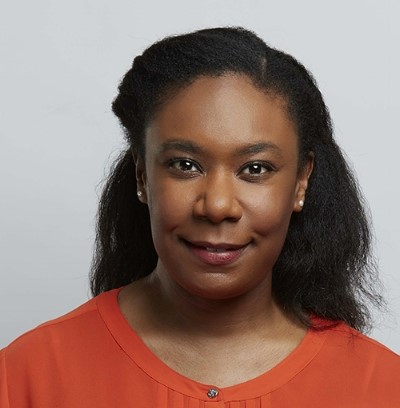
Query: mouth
216, 253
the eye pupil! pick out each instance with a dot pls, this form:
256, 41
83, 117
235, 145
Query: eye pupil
186, 165
255, 169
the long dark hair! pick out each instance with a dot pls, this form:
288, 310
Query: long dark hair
325, 267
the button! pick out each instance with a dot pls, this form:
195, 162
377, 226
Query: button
212, 393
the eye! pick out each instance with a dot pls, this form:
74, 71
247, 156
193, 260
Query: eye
256, 168
184, 165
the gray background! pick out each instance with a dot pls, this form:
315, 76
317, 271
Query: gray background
60, 65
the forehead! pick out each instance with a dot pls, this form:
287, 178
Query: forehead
226, 110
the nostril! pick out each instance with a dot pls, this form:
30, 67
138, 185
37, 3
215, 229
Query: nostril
218, 209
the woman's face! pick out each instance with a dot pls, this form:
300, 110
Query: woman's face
221, 180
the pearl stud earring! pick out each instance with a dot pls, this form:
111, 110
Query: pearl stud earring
139, 194
301, 203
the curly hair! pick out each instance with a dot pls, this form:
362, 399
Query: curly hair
325, 268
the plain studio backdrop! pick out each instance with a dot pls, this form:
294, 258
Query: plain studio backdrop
60, 65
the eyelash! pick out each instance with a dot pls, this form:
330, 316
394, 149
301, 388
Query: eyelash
266, 167
172, 162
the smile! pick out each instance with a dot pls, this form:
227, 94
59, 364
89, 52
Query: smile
215, 250
215, 254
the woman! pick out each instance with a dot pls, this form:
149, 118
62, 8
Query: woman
239, 271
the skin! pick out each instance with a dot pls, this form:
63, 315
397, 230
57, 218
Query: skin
221, 168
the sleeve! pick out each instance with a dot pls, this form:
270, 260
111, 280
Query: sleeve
4, 403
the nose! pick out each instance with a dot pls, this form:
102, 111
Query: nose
217, 199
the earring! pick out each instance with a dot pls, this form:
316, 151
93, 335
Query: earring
139, 194
301, 203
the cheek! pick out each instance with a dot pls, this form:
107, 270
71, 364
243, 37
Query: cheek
269, 221
271, 210
168, 207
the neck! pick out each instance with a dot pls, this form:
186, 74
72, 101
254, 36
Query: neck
249, 312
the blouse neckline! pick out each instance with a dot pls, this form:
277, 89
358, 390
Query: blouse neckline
134, 347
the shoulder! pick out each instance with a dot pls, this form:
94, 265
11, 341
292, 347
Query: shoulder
360, 355
74, 318
342, 335
81, 325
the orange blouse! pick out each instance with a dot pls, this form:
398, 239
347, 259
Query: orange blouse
91, 357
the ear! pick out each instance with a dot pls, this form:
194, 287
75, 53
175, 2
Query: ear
141, 179
302, 183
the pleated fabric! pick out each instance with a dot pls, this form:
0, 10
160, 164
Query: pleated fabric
168, 398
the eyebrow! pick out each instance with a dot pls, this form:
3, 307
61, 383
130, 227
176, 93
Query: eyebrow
181, 145
186, 146
255, 148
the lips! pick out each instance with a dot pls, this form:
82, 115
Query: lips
215, 254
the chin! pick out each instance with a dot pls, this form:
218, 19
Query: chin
218, 288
